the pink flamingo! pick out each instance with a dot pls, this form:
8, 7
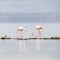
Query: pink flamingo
20, 30
38, 28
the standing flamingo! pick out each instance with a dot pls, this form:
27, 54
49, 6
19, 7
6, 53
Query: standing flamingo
38, 28
20, 30
21, 42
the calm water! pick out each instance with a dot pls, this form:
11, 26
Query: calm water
30, 49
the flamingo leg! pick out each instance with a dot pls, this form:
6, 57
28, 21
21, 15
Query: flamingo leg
39, 33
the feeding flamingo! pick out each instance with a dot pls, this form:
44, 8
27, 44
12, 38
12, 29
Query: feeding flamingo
20, 30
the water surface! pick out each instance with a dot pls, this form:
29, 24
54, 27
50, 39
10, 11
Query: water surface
45, 50
31, 49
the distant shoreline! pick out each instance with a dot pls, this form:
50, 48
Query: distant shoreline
44, 38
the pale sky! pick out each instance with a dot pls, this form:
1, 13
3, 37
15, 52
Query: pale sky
29, 6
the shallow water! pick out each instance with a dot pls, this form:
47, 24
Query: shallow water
31, 49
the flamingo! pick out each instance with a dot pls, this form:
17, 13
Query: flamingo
38, 28
21, 42
20, 29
